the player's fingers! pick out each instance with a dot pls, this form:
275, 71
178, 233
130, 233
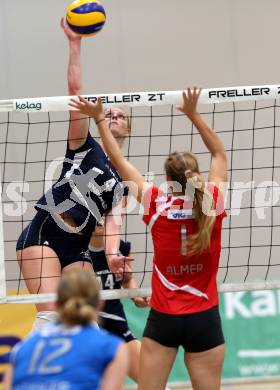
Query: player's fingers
82, 99
128, 258
196, 92
185, 98
190, 93
74, 106
144, 303
74, 101
123, 258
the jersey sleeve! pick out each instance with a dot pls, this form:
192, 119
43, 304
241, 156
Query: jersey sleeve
218, 199
89, 143
149, 204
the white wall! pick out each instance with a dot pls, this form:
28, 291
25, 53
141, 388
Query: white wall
145, 45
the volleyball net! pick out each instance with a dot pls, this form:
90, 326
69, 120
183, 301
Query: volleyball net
33, 135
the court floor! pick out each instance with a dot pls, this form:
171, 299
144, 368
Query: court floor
248, 386
233, 386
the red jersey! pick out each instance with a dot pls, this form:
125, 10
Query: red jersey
181, 283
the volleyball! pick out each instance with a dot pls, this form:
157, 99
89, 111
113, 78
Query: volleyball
85, 17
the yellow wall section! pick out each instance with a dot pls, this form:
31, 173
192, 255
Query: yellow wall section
15, 320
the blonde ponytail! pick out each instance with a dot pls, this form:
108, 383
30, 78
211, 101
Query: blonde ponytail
202, 206
183, 168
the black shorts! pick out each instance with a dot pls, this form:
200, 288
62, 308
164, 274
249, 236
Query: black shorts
195, 332
44, 231
113, 319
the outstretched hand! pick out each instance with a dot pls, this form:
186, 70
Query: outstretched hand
71, 35
120, 265
88, 108
190, 99
141, 301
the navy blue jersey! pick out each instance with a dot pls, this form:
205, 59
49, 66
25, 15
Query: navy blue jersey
112, 316
88, 187
63, 358
106, 277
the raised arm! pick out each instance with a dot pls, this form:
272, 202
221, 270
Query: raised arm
117, 263
128, 172
107, 237
78, 128
218, 168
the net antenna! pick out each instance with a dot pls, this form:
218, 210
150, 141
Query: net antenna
246, 118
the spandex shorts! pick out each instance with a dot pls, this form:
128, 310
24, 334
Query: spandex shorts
43, 231
195, 332
113, 319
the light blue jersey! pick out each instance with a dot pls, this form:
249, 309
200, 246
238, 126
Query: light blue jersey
61, 358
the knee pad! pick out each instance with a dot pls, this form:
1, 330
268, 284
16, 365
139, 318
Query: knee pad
43, 318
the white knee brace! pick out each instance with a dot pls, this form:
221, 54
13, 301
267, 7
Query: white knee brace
43, 318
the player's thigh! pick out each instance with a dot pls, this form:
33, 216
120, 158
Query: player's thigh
156, 362
38, 261
40, 267
205, 368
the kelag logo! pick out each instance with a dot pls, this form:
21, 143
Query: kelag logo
29, 106
253, 304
